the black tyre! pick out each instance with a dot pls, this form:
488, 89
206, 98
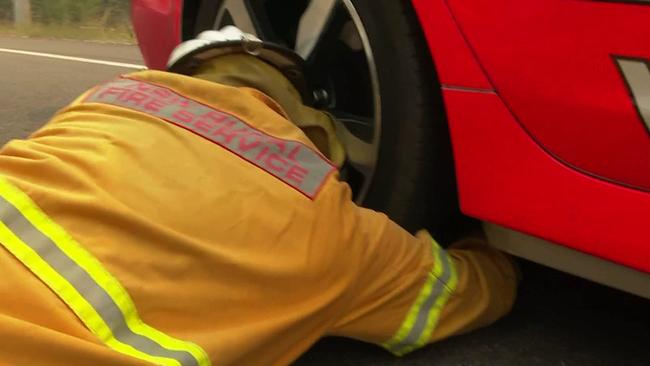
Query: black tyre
370, 59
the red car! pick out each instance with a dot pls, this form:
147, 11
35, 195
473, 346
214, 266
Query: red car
531, 117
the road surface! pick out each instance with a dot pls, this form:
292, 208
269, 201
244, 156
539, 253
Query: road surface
558, 319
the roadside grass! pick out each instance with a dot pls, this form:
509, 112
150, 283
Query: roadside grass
90, 32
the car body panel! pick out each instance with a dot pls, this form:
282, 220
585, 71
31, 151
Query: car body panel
455, 63
545, 134
157, 25
552, 63
506, 178
508, 175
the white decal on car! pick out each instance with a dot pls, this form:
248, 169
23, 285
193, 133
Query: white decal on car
636, 73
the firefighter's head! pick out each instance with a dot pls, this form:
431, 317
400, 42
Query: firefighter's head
234, 58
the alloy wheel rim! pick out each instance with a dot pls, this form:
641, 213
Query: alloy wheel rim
330, 36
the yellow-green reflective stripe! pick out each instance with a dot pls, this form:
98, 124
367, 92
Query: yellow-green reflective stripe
424, 314
95, 296
411, 316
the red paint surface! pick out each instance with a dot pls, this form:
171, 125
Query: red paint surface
454, 61
157, 25
506, 178
551, 63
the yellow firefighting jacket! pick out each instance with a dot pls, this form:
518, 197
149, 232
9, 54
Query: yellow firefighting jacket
162, 219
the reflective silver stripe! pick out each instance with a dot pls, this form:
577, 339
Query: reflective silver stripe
425, 310
292, 162
92, 292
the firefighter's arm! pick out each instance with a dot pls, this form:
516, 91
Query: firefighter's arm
411, 292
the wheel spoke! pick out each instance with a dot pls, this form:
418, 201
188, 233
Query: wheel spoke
241, 15
311, 26
248, 15
319, 29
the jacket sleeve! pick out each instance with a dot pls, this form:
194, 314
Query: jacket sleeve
410, 291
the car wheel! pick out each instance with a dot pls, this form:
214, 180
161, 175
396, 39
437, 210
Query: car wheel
370, 67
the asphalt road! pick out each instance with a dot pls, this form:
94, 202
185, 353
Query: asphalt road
557, 320
34, 88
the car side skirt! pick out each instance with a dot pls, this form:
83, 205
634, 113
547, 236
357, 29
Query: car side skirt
568, 260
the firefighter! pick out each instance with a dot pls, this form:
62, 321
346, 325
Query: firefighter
195, 217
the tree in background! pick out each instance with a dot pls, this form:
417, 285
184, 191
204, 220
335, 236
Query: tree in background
6, 10
22, 13
78, 19
17, 10
104, 13
115, 12
99, 12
